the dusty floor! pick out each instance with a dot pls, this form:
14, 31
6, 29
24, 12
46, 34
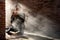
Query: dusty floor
27, 36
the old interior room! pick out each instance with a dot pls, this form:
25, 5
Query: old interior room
32, 19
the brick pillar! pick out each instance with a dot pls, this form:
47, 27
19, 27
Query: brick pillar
2, 20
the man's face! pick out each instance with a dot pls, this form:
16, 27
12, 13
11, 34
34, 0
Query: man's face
16, 20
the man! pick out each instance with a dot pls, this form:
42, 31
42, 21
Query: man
17, 23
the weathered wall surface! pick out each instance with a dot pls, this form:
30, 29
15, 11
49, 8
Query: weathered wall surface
44, 18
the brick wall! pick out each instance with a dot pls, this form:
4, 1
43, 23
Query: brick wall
2, 20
